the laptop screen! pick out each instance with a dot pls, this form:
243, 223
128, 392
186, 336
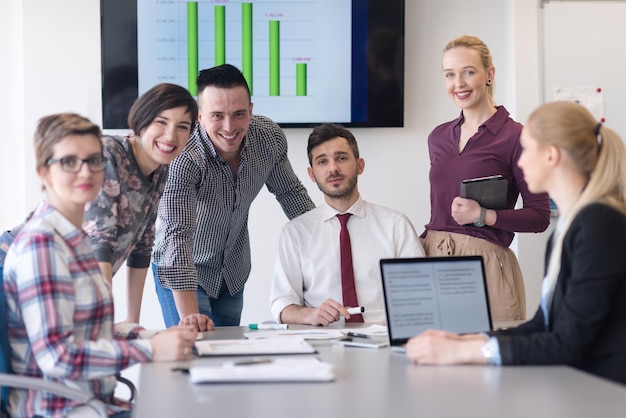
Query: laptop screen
448, 293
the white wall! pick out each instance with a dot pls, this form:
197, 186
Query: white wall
565, 44
54, 52
12, 141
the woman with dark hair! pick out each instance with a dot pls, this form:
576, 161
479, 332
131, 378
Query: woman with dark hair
121, 220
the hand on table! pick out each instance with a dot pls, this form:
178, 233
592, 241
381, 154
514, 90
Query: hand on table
199, 321
328, 312
174, 344
441, 347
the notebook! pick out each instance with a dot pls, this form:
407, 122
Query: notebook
253, 347
489, 192
448, 293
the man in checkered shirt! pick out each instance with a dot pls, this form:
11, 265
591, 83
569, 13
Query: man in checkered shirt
201, 259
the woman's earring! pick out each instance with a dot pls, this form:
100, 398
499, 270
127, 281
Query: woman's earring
489, 82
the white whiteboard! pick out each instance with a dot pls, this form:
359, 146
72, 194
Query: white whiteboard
584, 44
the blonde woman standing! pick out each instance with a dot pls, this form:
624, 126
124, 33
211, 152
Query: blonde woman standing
581, 320
482, 141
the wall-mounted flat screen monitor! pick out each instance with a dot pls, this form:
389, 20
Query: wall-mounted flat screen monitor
306, 61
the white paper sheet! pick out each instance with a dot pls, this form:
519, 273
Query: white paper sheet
253, 346
317, 334
289, 369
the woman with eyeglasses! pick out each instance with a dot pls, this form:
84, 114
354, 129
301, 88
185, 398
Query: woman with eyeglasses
59, 305
121, 220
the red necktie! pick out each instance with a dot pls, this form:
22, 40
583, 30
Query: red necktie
347, 271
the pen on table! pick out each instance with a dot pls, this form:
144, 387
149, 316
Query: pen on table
247, 362
268, 326
356, 310
358, 335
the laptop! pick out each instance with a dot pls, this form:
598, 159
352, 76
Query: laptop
447, 293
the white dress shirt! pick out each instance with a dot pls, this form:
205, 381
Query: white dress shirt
308, 268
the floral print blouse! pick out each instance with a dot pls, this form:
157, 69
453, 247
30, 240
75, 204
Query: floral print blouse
121, 220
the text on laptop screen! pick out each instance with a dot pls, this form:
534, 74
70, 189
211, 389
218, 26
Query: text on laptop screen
446, 293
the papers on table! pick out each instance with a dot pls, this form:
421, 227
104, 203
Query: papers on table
317, 333
281, 368
372, 330
286, 369
374, 336
307, 334
362, 342
253, 346
149, 333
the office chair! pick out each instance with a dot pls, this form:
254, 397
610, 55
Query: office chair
10, 380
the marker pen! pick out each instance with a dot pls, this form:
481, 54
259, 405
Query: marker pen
356, 310
247, 362
268, 326
357, 334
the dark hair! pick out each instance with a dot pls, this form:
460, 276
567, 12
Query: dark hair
161, 97
223, 76
53, 129
326, 132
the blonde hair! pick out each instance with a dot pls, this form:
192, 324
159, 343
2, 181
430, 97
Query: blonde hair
475, 43
598, 153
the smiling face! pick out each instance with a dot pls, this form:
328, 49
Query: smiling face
68, 192
225, 114
335, 170
164, 139
466, 78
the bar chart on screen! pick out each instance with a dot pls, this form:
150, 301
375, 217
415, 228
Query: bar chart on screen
284, 48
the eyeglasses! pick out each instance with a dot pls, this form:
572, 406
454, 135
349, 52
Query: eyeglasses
74, 164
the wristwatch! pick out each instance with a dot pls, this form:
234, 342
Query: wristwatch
480, 222
487, 350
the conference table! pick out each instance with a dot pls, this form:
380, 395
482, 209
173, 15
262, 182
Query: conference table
381, 383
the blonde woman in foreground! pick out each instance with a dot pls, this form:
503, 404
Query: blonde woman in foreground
581, 320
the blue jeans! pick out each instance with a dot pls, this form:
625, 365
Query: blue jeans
225, 310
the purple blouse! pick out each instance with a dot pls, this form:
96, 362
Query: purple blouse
494, 149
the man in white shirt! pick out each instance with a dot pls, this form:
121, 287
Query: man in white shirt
307, 284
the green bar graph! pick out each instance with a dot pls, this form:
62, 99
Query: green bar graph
300, 79
220, 35
274, 58
247, 49
192, 47
246, 43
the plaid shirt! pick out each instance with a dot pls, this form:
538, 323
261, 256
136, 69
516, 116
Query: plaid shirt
203, 237
60, 317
